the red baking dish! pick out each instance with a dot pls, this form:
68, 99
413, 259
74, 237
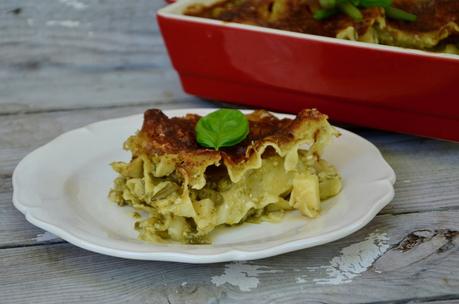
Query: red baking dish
377, 86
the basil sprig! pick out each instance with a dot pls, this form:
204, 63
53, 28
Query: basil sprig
351, 8
222, 128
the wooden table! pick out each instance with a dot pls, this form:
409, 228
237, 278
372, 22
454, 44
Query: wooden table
67, 63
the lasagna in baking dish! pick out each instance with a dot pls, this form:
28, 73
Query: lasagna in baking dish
182, 191
433, 26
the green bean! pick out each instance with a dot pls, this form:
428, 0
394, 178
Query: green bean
396, 13
373, 3
354, 2
322, 14
350, 10
327, 4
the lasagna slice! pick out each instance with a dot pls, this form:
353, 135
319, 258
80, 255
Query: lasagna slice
183, 191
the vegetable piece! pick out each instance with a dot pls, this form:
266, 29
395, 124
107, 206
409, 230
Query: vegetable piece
222, 128
350, 10
376, 3
327, 4
322, 14
354, 2
305, 195
396, 13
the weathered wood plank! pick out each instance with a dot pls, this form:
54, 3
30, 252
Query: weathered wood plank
22, 133
59, 55
427, 171
394, 258
14, 229
434, 301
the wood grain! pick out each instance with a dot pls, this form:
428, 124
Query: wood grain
22, 133
56, 56
62, 271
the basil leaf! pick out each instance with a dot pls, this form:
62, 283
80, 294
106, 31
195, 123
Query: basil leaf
222, 128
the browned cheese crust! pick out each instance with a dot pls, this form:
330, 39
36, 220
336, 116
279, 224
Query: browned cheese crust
297, 18
175, 138
431, 15
163, 135
437, 21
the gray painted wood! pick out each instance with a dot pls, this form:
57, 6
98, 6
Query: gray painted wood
20, 134
67, 63
96, 53
419, 261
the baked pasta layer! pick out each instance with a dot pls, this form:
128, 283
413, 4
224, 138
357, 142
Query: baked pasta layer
182, 191
436, 27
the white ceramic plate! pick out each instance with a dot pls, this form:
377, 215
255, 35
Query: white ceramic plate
62, 188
